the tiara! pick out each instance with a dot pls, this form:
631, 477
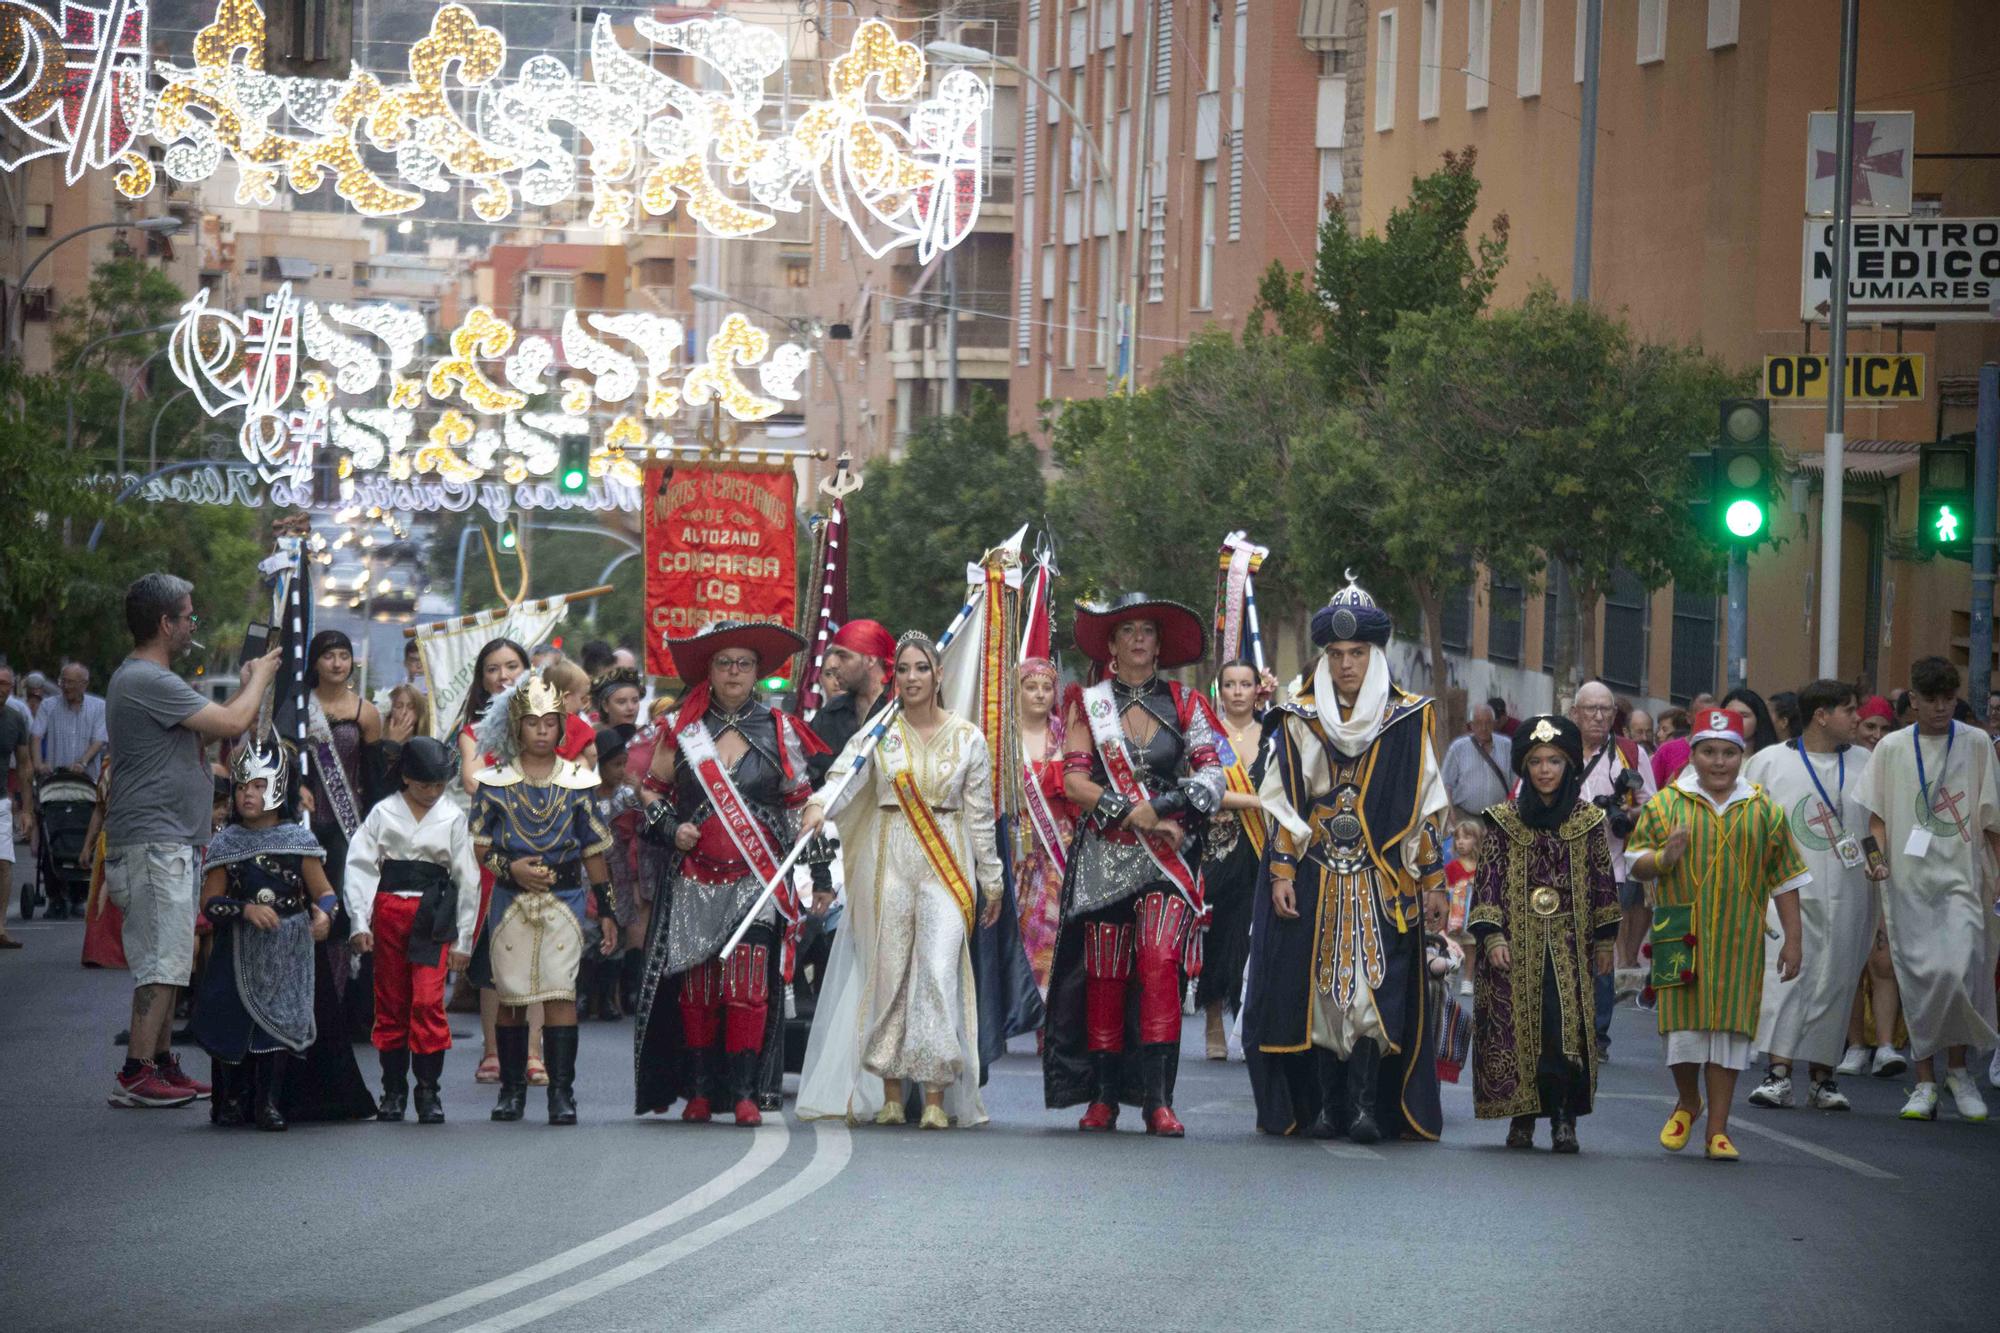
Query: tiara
918, 637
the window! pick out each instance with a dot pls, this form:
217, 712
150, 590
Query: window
1549, 625
1073, 299
1456, 619
1332, 185
1528, 57
36, 221
1652, 31
659, 272
1722, 18
1625, 633
1507, 607
1693, 659
1385, 70
1104, 279
1430, 57
1478, 53
1204, 295
544, 299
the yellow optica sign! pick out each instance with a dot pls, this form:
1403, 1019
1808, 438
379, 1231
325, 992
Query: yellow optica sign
1877, 377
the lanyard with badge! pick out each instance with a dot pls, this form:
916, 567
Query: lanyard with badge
1920, 836
1845, 846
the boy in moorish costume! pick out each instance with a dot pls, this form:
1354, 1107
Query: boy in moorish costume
1719, 850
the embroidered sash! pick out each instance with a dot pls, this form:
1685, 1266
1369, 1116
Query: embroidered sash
931, 838
748, 836
1107, 731
1042, 818
1252, 820
332, 777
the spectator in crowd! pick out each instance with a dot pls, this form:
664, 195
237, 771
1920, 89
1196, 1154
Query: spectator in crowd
14, 734
1615, 780
1640, 728
596, 656
34, 691
547, 654
413, 667
625, 657
13, 701
160, 817
1787, 716
1993, 713
1899, 699
1476, 766
1700, 703
1878, 719
1758, 729
69, 729
1670, 725
1672, 755
1502, 723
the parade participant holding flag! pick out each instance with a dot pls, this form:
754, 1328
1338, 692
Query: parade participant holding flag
1233, 851
900, 1005
1141, 761
1720, 852
727, 780
1335, 1026
857, 660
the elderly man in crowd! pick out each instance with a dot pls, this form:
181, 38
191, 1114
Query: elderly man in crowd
1614, 779
69, 729
1476, 766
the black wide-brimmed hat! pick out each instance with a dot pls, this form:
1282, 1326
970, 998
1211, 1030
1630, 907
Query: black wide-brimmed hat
1183, 636
771, 643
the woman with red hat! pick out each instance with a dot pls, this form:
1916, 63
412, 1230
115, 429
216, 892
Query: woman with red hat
731, 773
1719, 850
1142, 764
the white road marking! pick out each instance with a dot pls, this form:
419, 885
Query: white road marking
767, 1145
1353, 1151
1736, 1122
832, 1151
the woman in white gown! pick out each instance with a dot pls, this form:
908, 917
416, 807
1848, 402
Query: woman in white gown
916, 831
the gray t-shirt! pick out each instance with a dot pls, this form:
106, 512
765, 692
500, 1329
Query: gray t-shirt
160, 789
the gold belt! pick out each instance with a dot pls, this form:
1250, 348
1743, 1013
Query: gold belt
1543, 900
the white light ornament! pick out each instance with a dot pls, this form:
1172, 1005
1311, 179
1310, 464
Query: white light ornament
73, 82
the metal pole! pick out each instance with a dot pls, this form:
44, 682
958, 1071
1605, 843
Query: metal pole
465, 534
125, 401
1586, 151
951, 332
1833, 506
153, 435
1737, 667
1985, 478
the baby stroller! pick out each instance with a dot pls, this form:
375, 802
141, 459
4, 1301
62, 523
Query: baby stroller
64, 803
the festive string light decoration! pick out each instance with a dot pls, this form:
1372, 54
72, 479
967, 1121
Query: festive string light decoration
896, 167
737, 343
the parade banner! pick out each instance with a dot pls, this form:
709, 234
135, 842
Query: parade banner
720, 545
449, 648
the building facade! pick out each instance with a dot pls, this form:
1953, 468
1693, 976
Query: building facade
1699, 221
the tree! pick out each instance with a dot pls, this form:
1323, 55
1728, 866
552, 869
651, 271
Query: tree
962, 486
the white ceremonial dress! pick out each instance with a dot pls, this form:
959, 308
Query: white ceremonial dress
1806, 1018
899, 1000
1943, 935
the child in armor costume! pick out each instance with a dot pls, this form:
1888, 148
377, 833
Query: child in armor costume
265, 874
534, 826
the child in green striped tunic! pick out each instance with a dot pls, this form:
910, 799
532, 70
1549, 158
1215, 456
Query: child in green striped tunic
1719, 846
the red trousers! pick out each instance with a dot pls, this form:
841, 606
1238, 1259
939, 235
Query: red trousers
409, 997
1140, 940
726, 1001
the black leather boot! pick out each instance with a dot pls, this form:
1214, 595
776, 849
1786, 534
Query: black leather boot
1559, 1097
229, 1104
395, 1084
631, 978
743, 1070
1362, 1067
1331, 1122
1102, 1114
430, 1068
270, 1090
512, 1047
559, 1054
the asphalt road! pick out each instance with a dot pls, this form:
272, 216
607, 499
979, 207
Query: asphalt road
131, 1219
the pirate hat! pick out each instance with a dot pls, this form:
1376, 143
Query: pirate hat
771, 643
1183, 637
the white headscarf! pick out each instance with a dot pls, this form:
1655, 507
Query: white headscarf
1352, 735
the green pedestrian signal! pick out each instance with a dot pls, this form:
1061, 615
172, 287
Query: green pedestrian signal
573, 466
1744, 519
1944, 497
1740, 474
507, 538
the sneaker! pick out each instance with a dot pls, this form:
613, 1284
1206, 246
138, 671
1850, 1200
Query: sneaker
1922, 1104
1854, 1062
1827, 1096
171, 1072
1774, 1093
1889, 1062
1965, 1095
1993, 1070
145, 1088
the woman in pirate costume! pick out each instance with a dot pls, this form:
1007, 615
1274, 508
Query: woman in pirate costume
265, 873
534, 827
1545, 913
1143, 766
900, 1005
727, 781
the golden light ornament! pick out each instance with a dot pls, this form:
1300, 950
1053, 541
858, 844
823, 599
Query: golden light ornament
736, 343
481, 334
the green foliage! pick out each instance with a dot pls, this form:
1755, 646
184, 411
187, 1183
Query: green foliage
962, 486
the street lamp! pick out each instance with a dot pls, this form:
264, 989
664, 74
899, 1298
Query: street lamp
809, 331
958, 53
163, 226
69, 406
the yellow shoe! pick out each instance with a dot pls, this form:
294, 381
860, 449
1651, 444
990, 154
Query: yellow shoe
934, 1118
890, 1114
1679, 1125
1720, 1149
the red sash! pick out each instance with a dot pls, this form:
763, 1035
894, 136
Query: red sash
745, 833
936, 849
1107, 731
1042, 819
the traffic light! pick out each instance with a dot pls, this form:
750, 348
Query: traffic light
1944, 497
508, 539
1740, 483
573, 472
775, 684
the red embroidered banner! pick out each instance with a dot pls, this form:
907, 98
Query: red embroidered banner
720, 545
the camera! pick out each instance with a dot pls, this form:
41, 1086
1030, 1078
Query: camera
1620, 807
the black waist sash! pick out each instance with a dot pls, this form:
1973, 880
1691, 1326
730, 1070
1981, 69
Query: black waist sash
436, 921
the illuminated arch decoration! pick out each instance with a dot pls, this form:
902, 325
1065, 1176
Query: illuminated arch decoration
896, 166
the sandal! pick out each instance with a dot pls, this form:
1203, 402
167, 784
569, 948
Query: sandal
489, 1069
538, 1073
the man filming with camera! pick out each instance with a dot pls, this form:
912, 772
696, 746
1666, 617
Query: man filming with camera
1614, 779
